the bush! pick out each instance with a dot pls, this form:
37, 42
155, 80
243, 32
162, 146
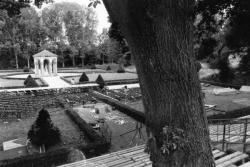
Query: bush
108, 68
30, 82
93, 66
100, 81
43, 132
26, 69
83, 78
226, 74
120, 69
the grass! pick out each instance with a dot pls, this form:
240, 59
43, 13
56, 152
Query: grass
12, 82
70, 133
107, 76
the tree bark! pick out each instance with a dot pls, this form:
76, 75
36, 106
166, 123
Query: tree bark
82, 62
160, 35
16, 58
73, 61
28, 61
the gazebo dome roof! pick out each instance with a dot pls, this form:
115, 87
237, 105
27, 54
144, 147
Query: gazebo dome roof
45, 53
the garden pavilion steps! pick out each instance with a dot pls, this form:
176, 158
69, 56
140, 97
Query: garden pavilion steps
55, 82
136, 157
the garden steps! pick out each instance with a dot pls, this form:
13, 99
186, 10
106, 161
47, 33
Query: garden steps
55, 82
136, 157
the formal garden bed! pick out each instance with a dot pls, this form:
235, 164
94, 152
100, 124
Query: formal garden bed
106, 76
70, 133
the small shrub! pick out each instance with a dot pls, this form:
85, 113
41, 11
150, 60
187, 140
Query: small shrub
120, 69
108, 68
26, 69
83, 78
93, 66
43, 132
100, 81
30, 82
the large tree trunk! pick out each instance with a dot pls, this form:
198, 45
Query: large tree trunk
16, 58
28, 61
160, 35
82, 62
73, 61
63, 64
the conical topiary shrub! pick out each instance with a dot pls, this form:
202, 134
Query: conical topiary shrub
30, 82
84, 78
120, 69
43, 132
100, 81
108, 68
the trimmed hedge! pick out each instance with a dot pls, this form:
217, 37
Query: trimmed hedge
30, 82
120, 69
84, 78
26, 69
93, 66
54, 158
86, 128
108, 68
100, 81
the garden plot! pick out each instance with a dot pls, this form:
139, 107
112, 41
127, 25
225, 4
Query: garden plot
70, 134
124, 130
106, 76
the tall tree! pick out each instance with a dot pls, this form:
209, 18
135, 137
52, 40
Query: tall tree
160, 35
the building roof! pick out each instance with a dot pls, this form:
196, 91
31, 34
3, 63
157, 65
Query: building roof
45, 53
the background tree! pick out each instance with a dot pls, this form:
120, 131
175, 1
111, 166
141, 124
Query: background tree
114, 50
73, 54
43, 133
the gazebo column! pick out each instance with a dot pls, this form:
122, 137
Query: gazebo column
50, 67
36, 67
42, 67
55, 66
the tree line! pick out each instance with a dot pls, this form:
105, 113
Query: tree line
67, 29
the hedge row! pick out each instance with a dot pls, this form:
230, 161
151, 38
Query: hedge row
48, 159
85, 127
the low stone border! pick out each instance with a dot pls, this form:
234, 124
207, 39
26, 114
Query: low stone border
222, 84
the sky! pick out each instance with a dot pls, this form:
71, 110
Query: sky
101, 12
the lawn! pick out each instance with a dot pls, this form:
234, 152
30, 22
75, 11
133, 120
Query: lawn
70, 134
14, 82
10, 83
107, 76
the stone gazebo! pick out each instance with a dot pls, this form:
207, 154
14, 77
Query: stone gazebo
45, 64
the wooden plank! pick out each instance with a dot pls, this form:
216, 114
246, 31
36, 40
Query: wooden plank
245, 164
233, 160
215, 151
118, 152
219, 154
227, 157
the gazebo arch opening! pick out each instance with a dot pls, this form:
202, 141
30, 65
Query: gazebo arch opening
46, 67
39, 67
